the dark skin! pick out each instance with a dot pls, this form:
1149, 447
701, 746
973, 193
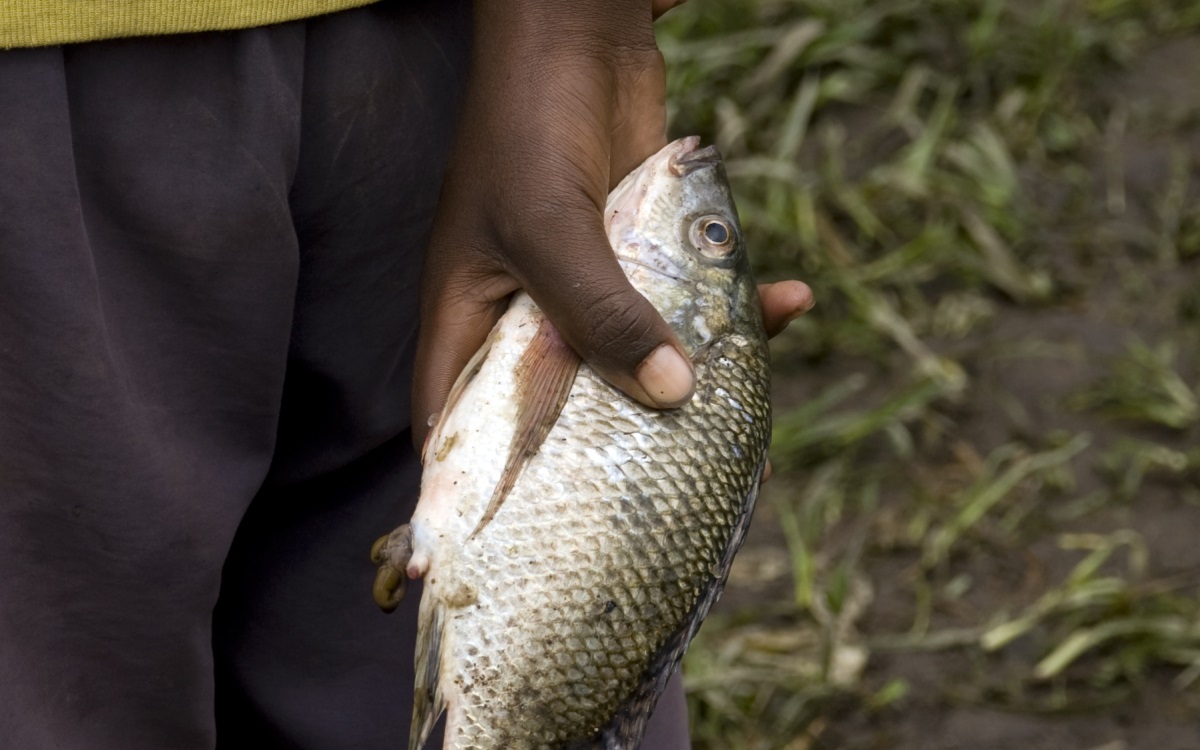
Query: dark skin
564, 100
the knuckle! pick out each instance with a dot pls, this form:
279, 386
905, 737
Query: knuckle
637, 58
619, 331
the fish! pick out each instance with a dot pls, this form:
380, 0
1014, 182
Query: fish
570, 539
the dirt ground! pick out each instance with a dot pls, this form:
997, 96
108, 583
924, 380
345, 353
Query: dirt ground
1026, 365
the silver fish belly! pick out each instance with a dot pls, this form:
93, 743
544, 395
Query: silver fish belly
570, 539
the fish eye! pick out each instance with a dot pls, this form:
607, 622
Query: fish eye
713, 237
716, 232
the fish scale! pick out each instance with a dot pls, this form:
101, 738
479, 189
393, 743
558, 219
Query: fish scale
564, 582
597, 650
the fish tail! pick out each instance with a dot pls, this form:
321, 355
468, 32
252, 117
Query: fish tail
429, 702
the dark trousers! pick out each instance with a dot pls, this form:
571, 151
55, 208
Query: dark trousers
209, 253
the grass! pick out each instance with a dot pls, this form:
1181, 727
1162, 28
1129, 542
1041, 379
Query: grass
1000, 220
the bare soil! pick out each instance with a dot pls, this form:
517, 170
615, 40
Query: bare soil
1026, 365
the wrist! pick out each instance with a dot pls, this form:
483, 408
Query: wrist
580, 27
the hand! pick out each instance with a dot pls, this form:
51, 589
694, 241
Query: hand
564, 99
783, 302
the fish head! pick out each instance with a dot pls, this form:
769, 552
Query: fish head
674, 227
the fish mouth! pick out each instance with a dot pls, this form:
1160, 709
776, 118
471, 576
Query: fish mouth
650, 268
690, 159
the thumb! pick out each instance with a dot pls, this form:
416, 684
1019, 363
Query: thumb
578, 282
574, 277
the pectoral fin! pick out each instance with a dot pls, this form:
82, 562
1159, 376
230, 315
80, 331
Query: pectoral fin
545, 374
456, 391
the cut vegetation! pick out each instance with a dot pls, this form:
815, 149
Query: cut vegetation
984, 526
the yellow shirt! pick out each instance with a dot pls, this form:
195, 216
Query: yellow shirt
37, 23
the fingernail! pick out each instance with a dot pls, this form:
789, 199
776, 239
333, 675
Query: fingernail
812, 301
666, 377
798, 312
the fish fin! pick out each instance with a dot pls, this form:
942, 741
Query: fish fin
544, 375
428, 700
474, 364
628, 725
